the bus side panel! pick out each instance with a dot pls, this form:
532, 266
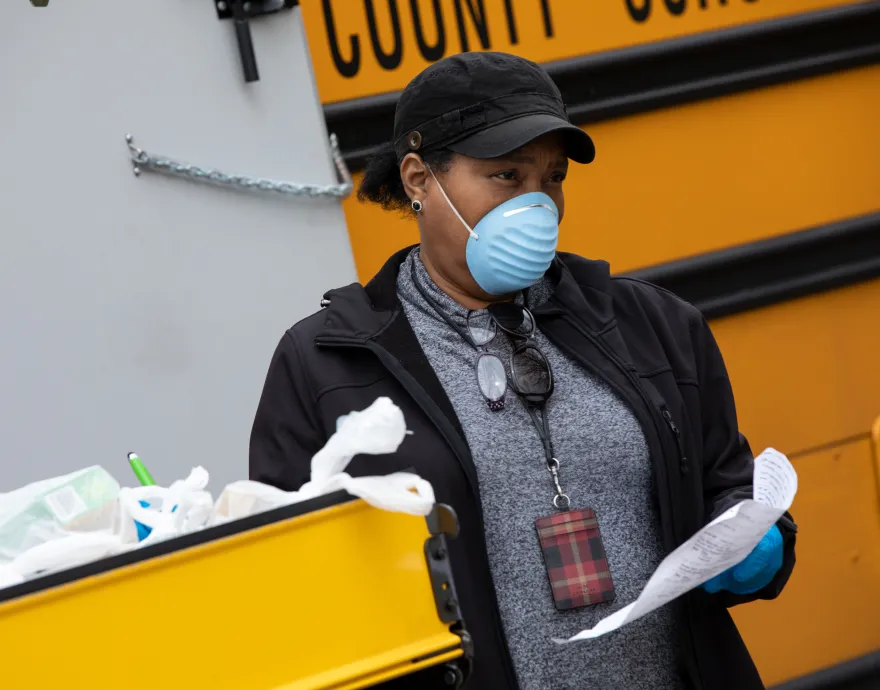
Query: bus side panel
806, 372
360, 50
830, 609
701, 177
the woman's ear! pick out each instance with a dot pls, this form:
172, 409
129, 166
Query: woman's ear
414, 175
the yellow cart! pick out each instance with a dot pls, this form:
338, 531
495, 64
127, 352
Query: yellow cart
325, 594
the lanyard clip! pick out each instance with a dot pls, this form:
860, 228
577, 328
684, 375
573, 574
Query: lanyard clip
561, 501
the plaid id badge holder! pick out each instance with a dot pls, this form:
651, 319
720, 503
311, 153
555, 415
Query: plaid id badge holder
575, 559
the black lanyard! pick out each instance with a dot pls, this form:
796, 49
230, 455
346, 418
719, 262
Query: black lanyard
537, 410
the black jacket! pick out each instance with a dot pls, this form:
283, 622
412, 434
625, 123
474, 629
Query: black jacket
654, 349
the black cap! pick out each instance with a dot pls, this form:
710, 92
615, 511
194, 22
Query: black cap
484, 105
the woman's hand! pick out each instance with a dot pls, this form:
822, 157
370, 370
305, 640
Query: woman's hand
754, 572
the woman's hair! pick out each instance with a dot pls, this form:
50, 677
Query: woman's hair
381, 183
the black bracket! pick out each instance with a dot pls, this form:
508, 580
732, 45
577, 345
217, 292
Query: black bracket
443, 524
241, 12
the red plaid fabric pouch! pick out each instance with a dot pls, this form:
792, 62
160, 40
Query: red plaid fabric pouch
575, 559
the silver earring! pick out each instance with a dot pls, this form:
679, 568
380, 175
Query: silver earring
417, 206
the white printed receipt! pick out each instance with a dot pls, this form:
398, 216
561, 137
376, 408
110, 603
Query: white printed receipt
722, 543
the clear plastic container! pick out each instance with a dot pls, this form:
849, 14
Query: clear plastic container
84, 500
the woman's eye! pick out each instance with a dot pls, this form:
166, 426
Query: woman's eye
558, 178
506, 175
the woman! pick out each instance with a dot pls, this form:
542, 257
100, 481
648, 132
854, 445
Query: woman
544, 395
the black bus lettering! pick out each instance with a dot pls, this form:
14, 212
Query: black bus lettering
390, 60
478, 18
511, 22
432, 53
640, 10
345, 68
639, 14
470, 15
548, 20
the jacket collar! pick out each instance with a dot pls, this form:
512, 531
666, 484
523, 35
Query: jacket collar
582, 288
360, 313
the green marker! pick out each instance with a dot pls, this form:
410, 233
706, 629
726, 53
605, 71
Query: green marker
140, 471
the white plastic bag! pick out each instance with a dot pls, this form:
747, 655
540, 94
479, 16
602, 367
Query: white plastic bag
243, 498
82, 501
400, 492
56, 539
377, 430
68, 552
183, 507
9, 576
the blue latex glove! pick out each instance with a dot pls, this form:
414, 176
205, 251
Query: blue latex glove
755, 571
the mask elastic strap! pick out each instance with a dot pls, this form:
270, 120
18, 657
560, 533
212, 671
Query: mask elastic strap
452, 206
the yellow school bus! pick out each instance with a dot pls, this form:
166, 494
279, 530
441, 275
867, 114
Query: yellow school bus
738, 164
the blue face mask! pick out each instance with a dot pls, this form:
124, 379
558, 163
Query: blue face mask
514, 244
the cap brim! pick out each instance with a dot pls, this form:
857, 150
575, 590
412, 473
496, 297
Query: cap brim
508, 136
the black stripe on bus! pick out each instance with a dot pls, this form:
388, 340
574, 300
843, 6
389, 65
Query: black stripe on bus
862, 673
774, 270
665, 73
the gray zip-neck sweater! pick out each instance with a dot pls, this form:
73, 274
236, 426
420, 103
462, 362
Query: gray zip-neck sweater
604, 465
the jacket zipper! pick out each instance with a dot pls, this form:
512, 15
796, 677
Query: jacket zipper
390, 363
682, 457
633, 379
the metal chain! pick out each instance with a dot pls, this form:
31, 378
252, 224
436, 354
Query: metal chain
141, 160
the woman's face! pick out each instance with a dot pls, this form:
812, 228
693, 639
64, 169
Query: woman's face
476, 186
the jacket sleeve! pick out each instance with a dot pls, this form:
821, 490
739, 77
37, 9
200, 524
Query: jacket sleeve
286, 432
728, 461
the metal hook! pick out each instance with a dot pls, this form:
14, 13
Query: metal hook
138, 156
561, 496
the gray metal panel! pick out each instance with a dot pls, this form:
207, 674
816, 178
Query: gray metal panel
141, 314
